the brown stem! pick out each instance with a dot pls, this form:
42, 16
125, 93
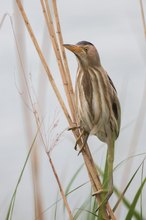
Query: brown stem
42, 58
143, 17
62, 48
60, 188
39, 124
49, 22
18, 33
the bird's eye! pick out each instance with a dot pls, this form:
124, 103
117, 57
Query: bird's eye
86, 49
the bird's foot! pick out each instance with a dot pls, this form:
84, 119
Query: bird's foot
105, 199
99, 192
78, 139
104, 191
82, 147
74, 128
76, 144
86, 135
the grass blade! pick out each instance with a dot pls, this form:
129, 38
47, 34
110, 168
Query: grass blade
135, 200
141, 208
55, 212
12, 202
93, 208
127, 204
126, 188
80, 210
73, 179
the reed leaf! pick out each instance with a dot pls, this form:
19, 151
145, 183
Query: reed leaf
135, 200
12, 202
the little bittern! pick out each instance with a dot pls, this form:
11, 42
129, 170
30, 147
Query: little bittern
97, 104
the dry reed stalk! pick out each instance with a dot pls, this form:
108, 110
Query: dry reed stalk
49, 22
60, 188
95, 181
27, 118
38, 122
37, 188
53, 168
53, 84
86, 153
39, 210
143, 18
62, 48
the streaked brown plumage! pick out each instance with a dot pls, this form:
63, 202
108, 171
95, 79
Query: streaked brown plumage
97, 104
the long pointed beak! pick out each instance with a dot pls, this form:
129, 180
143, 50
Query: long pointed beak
73, 48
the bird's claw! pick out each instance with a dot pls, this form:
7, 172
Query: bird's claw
74, 128
99, 192
82, 147
76, 144
105, 199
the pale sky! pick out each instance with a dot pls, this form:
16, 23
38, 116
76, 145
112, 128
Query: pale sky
115, 28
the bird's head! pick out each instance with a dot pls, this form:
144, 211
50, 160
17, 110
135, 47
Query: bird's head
85, 52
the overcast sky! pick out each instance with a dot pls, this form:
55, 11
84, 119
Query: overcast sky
115, 28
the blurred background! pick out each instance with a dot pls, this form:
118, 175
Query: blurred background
115, 28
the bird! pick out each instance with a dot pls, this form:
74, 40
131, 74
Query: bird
97, 105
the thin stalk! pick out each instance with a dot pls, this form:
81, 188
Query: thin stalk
60, 188
51, 30
38, 122
60, 37
42, 58
27, 117
55, 173
143, 17
37, 194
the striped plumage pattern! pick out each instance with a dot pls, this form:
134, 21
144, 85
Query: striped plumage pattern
97, 105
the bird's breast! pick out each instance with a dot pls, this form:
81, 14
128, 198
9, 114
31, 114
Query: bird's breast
89, 101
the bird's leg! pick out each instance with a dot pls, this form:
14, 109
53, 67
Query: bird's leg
74, 128
84, 135
78, 139
110, 161
85, 138
108, 179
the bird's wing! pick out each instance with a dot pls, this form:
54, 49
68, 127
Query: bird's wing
112, 84
117, 112
115, 106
